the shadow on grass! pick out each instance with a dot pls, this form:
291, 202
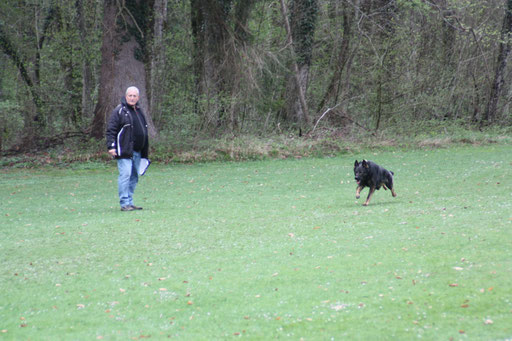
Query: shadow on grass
372, 204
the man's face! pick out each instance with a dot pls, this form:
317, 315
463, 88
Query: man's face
132, 97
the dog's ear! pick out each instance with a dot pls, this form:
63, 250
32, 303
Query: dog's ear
365, 164
356, 164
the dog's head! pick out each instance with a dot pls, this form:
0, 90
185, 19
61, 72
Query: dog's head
361, 171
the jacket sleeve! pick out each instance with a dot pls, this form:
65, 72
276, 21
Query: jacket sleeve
113, 128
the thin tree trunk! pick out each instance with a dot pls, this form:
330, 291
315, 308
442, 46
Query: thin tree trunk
343, 57
501, 64
303, 115
87, 74
156, 85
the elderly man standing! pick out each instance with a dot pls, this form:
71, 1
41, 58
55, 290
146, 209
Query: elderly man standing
127, 141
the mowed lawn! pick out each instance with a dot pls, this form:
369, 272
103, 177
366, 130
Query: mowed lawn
262, 250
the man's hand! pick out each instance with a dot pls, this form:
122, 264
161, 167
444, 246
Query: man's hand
112, 152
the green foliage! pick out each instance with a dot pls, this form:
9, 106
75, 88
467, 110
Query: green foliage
49, 48
262, 250
407, 62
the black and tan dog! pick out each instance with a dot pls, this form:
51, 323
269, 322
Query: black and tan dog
370, 174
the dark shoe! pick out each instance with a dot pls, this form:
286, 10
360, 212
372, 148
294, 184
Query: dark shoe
136, 207
127, 208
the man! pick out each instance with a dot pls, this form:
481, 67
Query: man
127, 141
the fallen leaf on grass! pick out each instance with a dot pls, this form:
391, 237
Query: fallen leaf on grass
80, 306
339, 307
454, 285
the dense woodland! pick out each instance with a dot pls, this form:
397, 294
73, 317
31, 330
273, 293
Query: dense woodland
231, 67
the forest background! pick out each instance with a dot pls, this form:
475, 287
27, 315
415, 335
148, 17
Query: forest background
248, 78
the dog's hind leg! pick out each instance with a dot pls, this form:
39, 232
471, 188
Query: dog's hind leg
390, 185
372, 189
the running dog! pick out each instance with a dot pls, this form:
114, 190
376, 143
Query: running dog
370, 174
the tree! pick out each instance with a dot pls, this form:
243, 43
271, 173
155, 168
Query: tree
123, 53
157, 60
501, 64
8, 47
87, 64
301, 31
219, 33
343, 58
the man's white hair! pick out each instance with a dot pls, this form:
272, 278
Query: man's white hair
132, 88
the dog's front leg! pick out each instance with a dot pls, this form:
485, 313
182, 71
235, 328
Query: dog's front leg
372, 189
358, 191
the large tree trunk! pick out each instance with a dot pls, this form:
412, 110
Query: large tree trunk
501, 64
119, 66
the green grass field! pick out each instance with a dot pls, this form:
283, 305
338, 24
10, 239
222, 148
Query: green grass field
262, 250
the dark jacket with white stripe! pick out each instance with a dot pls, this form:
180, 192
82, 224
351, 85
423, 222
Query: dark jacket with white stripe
120, 130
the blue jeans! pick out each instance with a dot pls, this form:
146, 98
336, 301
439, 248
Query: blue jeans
128, 178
